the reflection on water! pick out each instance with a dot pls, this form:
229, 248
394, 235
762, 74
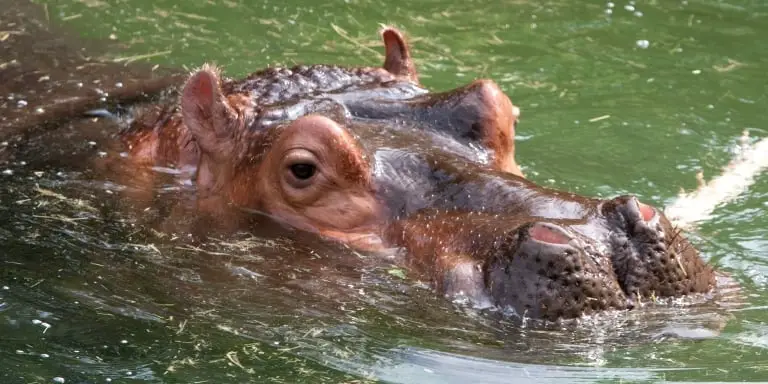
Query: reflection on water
98, 285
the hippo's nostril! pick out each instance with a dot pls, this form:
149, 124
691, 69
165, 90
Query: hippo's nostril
638, 216
548, 233
646, 211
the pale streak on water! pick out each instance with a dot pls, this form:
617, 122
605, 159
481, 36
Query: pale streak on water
697, 206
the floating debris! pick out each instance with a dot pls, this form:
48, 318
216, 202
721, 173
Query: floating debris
603, 117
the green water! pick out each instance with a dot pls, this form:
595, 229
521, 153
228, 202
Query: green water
95, 299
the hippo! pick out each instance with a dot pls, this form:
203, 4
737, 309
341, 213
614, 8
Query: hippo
370, 158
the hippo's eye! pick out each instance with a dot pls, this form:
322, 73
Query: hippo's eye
303, 171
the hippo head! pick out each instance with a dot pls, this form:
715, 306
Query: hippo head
434, 173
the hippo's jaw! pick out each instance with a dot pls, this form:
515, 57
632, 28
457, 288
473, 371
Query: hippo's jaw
545, 271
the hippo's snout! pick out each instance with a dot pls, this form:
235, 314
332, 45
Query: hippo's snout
545, 271
649, 255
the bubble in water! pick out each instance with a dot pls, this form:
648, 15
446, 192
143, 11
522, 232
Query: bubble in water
696, 71
58, 380
608, 11
610, 4
8, 172
638, 14
21, 103
629, 7
643, 44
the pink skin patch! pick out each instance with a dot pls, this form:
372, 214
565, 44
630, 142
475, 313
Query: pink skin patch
546, 234
646, 211
204, 88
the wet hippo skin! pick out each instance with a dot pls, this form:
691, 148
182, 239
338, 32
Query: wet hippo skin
376, 161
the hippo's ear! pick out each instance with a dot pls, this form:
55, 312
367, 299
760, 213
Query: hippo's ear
398, 56
207, 113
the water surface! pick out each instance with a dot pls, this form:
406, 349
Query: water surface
626, 97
